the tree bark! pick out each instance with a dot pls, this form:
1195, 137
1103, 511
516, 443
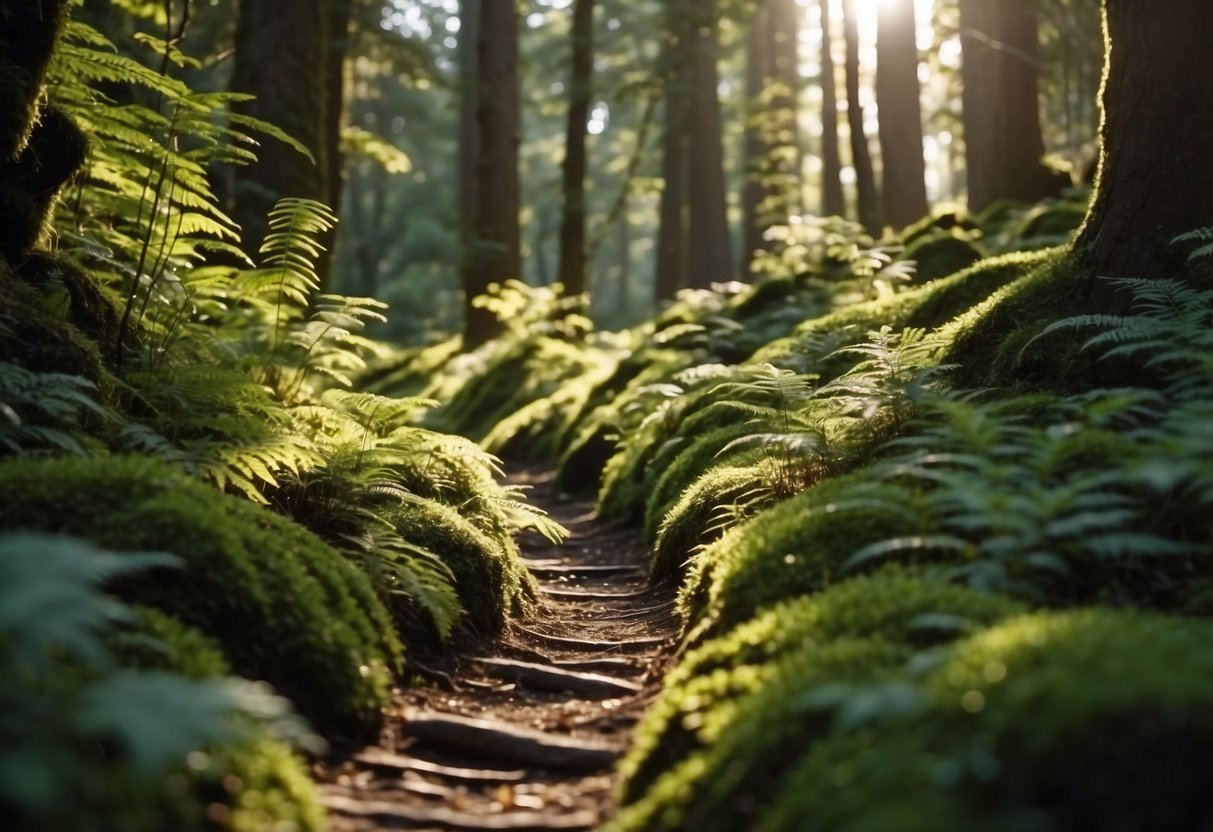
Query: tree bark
281, 58
469, 135
1154, 178
340, 13
710, 256
833, 204
904, 190
1000, 69
671, 269
772, 142
572, 268
497, 246
861, 155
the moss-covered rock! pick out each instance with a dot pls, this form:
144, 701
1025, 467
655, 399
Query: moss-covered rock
1090, 719
491, 580
941, 254
797, 547
896, 605
283, 606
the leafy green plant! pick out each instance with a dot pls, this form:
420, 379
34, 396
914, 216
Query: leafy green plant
87, 743
44, 411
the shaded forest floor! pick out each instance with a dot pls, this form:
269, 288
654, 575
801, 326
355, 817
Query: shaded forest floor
522, 733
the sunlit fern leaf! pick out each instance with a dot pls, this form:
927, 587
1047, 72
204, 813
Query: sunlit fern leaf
400, 569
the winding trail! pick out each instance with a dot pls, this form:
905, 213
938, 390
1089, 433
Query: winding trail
522, 733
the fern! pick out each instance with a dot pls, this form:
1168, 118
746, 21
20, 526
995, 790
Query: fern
45, 410
64, 690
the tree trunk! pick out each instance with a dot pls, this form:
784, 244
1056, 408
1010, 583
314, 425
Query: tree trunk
282, 51
340, 12
469, 135
671, 269
497, 247
757, 150
625, 262
1000, 68
710, 256
833, 204
904, 189
861, 156
772, 143
572, 267
1154, 177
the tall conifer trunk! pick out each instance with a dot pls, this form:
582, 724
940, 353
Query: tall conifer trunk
1156, 175
861, 155
903, 187
833, 204
571, 271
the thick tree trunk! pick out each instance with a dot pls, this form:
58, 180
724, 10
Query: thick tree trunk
282, 59
571, 272
497, 247
861, 155
833, 204
756, 153
772, 142
710, 256
1156, 173
1003, 144
670, 270
904, 189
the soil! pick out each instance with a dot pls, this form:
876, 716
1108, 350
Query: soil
523, 732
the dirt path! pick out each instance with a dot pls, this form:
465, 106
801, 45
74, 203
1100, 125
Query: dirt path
523, 733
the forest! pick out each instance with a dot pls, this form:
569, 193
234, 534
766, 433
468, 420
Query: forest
636, 415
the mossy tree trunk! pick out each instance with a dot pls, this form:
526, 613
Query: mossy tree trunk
572, 268
1156, 174
861, 155
496, 244
833, 204
40, 148
1000, 69
282, 57
903, 191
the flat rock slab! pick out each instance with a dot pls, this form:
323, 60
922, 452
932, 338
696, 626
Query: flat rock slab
513, 743
410, 817
385, 761
559, 680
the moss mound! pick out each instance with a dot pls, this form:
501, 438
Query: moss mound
896, 605
490, 579
1092, 719
283, 606
795, 548
941, 254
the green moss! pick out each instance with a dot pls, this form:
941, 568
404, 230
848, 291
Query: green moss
491, 580
258, 784
283, 606
750, 741
1091, 719
1050, 224
939, 255
896, 605
533, 432
810, 348
694, 456
794, 548
686, 524
524, 372
946, 217
994, 342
